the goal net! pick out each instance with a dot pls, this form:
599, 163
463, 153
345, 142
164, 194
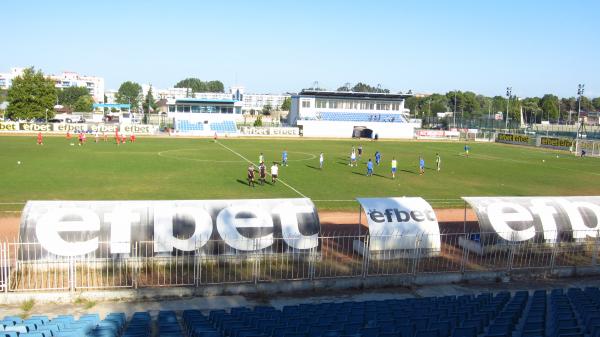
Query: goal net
591, 147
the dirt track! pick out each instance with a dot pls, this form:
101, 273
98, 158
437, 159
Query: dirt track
343, 222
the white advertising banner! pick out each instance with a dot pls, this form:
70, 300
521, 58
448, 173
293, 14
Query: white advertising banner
74, 228
436, 134
270, 131
401, 224
547, 219
138, 129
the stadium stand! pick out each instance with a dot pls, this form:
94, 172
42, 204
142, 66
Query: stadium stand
186, 126
223, 127
573, 313
363, 117
220, 127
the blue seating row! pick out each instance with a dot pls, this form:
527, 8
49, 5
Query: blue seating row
363, 117
574, 314
558, 313
63, 326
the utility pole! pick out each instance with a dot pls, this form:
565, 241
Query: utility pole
508, 93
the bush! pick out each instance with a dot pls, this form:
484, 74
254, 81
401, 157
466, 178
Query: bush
258, 121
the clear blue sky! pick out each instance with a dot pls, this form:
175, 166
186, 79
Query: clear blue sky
536, 47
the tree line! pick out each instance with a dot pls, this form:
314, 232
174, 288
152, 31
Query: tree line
471, 105
33, 96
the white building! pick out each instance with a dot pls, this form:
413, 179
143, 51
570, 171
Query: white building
6, 78
94, 84
250, 102
341, 114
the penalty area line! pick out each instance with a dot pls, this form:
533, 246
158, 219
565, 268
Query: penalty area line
250, 162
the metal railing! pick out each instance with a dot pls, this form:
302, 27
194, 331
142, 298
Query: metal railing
28, 267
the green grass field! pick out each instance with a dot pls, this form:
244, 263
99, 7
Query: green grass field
169, 168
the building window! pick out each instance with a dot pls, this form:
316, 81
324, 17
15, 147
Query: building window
186, 108
320, 104
306, 104
333, 104
171, 108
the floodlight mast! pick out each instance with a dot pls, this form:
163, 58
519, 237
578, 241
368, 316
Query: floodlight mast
508, 93
580, 125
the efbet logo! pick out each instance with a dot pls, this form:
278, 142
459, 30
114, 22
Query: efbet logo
396, 215
77, 228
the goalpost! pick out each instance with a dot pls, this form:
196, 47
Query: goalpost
591, 147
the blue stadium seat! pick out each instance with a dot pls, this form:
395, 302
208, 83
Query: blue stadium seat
8, 334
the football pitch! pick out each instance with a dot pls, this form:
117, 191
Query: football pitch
185, 168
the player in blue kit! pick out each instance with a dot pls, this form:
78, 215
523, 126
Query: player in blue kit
421, 165
284, 158
369, 168
377, 157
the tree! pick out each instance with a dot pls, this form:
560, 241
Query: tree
129, 93
215, 86
31, 96
67, 97
586, 104
411, 103
267, 108
531, 109
568, 107
83, 104
197, 85
362, 87
596, 103
193, 83
287, 104
549, 104
149, 103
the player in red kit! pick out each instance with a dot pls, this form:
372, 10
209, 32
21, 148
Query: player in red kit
40, 139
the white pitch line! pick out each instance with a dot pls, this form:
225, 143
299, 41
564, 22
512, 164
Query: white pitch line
250, 162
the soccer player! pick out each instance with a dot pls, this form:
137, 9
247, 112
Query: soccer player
394, 167
284, 157
261, 158
251, 175
438, 161
359, 151
104, 136
353, 158
274, 172
40, 139
262, 171
466, 150
377, 157
369, 168
68, 135
321, 159
421, 165
80, 137
96, 137
131, 138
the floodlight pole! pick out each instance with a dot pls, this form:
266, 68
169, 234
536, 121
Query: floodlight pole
454, 112
580, 90
508, 93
